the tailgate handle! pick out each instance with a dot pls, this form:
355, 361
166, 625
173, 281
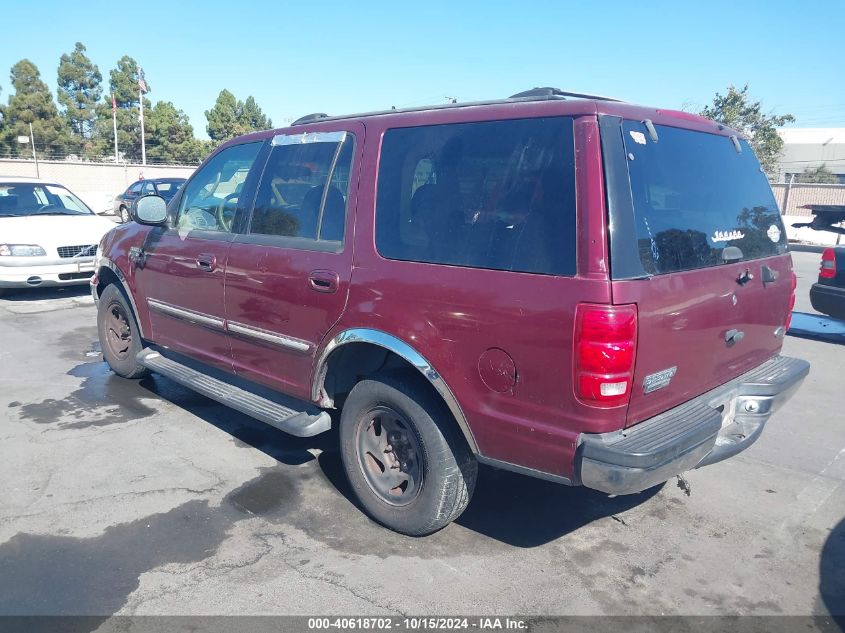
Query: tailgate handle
732, 337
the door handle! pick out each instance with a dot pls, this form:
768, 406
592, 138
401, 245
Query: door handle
324, 280
206, 263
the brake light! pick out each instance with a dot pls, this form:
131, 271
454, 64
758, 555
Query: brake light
605, 349
791, 302
828, 265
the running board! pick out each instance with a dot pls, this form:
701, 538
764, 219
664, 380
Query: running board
298, 423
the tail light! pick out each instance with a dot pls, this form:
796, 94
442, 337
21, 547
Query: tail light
605, 348
791, 302
828, 266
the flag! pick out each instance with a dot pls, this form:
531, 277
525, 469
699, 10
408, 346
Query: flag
113, 104
141, 83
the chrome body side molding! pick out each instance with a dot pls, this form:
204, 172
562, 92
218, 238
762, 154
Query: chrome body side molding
400, 348
186, 315
268, 337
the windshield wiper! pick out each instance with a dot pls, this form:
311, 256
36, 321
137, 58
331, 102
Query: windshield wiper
56, 212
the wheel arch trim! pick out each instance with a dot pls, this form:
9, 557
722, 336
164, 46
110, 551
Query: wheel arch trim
105, 262
401, 349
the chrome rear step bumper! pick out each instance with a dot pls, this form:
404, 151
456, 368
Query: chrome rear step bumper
705, 430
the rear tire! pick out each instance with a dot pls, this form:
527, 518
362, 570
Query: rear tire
405, 459
120, 337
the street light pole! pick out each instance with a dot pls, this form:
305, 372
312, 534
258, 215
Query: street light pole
34, 157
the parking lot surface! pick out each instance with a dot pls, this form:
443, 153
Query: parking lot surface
140, 497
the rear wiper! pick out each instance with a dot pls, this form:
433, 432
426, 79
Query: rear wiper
731, 254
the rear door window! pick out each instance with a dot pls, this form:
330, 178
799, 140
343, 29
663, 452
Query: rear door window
305, 187
497, 195
697, 201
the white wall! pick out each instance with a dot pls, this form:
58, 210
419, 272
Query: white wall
95, 183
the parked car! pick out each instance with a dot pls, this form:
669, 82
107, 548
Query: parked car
828, 294
164, 187
48, 236
577, 289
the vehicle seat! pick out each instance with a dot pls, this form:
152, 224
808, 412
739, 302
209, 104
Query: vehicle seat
438, 219
309, 212
334, 216
26, 198
8, 204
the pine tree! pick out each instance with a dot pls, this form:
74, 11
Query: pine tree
79, 92
171, 136
230, 118
32, 102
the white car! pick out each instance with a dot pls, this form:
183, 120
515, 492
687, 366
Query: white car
48, 236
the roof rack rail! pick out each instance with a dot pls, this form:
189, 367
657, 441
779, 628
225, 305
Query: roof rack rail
308, 118
556, 93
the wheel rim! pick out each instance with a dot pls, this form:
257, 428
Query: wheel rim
118, 331
389, 455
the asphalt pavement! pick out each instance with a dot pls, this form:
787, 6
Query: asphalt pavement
141, 497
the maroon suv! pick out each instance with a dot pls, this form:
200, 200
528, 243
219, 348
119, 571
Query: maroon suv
575, 289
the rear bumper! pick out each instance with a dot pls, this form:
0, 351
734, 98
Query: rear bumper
828, 300
702, 431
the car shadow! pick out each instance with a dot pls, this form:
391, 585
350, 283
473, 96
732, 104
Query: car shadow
832, 574
514, 509
517, 510
19, 295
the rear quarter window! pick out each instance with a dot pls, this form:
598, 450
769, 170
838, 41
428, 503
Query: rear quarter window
697, 201
497, 195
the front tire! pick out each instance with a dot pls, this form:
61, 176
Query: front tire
120, 337
124, 214
408, 465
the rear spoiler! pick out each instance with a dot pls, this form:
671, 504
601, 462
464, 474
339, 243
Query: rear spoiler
825, 216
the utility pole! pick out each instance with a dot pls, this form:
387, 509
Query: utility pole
142, 88
34, 157
114, 125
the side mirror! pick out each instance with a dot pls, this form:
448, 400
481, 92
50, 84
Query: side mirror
151, 210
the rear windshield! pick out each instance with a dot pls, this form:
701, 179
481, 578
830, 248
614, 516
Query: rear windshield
697, 201
169, 186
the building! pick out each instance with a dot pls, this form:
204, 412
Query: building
809, 148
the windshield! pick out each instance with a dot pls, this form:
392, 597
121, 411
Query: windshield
23, 199
697, 201
168, 186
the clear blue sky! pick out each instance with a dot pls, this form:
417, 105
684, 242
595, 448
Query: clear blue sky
340, 57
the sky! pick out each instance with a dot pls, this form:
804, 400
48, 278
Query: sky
296, 58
